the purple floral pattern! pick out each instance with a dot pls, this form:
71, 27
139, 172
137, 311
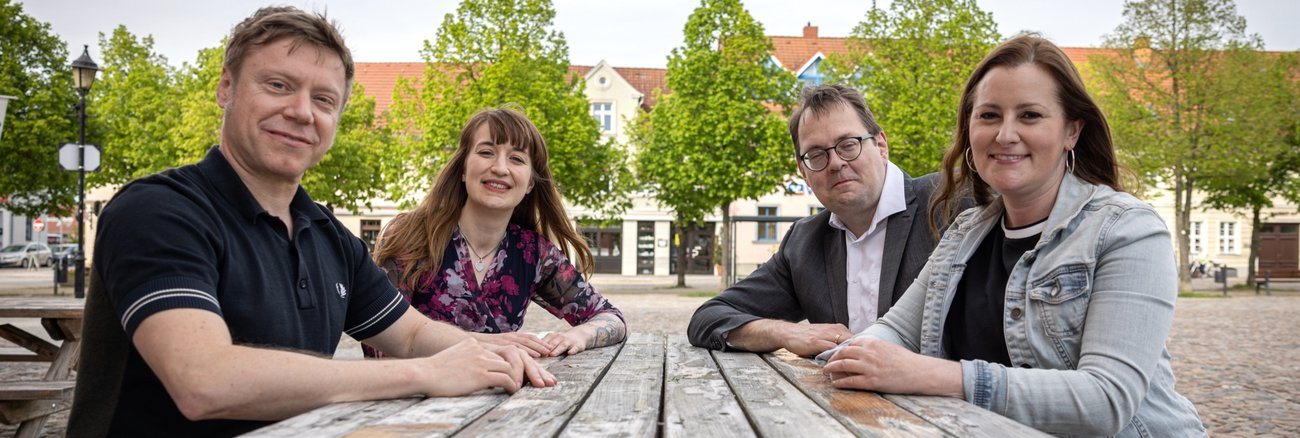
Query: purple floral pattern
527, 267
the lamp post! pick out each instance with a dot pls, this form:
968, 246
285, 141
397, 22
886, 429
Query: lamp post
83, 76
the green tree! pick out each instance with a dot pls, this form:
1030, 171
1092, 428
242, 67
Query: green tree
199, 127
363, 162
911, 63
1260, 110
135, 110
1160, 88
33, 68
715, 139
493, 52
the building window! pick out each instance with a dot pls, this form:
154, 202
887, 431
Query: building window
767, 230
812, 76
1228, 238
604, 114
370, 232
815, 210
1197, 238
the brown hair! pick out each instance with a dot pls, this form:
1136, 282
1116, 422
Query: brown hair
1094, 154
273, 23
419, 237
821, 99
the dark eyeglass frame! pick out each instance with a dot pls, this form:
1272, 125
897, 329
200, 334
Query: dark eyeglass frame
839, 147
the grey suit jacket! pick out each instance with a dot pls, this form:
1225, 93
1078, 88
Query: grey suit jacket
805, 279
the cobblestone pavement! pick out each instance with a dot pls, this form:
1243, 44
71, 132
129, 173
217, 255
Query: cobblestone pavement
1237, 358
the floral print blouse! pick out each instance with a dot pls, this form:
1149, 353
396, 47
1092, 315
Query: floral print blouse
526, 267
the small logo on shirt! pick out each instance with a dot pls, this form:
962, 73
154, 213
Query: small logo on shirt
343, 291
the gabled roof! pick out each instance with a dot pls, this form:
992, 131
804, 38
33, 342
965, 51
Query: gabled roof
796, 52
380, 78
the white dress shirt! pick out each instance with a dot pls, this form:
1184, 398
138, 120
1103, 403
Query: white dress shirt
864, 253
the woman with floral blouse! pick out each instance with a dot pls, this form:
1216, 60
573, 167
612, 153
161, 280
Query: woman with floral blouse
492, 235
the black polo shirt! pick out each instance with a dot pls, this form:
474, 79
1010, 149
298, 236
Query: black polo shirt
194, 237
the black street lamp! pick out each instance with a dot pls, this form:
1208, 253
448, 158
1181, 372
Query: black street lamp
83, 76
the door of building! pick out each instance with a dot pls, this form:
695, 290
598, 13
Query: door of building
699, 250
1279, 250
606, 248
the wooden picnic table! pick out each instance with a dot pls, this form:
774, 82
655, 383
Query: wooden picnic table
656, 385
30, 402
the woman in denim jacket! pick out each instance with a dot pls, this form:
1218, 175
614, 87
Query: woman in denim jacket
1049, 302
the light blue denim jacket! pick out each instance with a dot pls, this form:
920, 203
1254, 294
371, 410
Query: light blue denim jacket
1085, 319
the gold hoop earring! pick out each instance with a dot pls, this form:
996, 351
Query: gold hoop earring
1069, 163
970, 161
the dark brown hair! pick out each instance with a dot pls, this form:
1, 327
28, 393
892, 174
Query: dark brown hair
821, 99
1094, 154
419, 237
273, 23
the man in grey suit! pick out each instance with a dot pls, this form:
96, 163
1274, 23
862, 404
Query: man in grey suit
839, 269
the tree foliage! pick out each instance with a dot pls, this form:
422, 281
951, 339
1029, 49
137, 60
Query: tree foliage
33, 68
1260, 113
911, 63
493, 52
1162, 86
716, 139
150, 118
134, 108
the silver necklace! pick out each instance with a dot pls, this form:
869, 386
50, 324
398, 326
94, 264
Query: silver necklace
478, 265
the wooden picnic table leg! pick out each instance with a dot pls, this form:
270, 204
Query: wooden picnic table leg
64, 362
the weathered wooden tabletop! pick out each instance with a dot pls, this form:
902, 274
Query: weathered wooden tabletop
654, 385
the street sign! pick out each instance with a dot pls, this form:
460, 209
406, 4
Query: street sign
38, 225
68, 157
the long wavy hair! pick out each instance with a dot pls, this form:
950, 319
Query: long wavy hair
418, 238
1094, 152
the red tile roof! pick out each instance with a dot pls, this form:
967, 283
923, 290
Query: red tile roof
795, 51
380, 78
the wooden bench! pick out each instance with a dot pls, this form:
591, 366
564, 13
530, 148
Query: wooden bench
26, 400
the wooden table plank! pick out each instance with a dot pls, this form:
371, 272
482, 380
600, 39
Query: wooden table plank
334, 420
434, 417
961, 418
697, 400
865, 413
438, 416
774, 405
544, 411
41, 307
626, 402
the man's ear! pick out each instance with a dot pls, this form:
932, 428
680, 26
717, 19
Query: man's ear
225, 88
883, 143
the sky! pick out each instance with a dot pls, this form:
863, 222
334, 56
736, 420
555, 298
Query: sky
625, 33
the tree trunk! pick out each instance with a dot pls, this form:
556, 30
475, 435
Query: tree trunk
726, 245
681, 251
1254, 246
1182, 226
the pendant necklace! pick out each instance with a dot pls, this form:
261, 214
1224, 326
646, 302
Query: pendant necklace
478, 265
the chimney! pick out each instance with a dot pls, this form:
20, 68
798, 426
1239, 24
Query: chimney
810, 31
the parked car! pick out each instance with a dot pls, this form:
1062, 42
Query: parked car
23, 254
63, 251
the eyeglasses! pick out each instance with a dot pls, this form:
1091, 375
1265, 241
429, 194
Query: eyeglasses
847, 149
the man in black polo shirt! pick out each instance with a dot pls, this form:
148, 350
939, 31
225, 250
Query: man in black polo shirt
220, 290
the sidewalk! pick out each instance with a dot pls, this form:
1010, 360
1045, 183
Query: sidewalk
654, 284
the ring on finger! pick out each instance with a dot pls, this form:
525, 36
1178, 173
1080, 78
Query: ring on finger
837, 338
